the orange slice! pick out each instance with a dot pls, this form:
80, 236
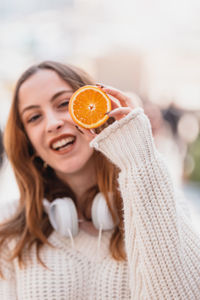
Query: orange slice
88, 106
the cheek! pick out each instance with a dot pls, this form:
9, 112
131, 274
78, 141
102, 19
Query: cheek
90, 151
34, 138
85, 150
84, 154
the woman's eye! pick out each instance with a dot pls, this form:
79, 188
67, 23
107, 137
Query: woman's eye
33, 118
63, 104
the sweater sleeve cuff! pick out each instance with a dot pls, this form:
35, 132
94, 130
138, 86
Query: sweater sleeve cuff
127, 142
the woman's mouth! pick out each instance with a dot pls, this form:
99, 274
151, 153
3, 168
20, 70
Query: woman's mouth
63, 143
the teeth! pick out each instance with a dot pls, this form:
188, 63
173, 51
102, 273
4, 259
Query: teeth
62, 142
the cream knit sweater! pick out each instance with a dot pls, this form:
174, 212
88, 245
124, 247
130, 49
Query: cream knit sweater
162, 249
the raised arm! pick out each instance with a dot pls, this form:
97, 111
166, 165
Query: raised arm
162, 249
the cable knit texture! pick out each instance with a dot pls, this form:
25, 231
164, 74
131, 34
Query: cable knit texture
163, 257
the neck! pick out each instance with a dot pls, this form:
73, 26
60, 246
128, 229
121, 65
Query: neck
82, 180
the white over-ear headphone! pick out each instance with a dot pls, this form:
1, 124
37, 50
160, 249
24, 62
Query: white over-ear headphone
64, 219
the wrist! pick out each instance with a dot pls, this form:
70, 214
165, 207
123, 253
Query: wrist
127, 142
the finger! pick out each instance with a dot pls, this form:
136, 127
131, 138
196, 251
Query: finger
118, 95
92, 131
132, 100
89, 134
100, 85
114, 101
119, 112
78, 128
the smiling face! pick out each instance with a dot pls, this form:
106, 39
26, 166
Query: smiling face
43, 107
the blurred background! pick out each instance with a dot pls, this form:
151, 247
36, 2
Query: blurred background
148, 48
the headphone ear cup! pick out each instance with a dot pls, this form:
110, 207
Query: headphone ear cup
63, 216
101, 216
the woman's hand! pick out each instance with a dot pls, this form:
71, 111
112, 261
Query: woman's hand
121, 105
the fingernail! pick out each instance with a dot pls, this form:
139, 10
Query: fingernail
100, 85
79, 129
107, 113
92, 131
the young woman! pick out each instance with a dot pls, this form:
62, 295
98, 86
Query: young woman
128, 238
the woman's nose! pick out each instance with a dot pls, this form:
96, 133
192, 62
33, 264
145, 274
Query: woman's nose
54, 124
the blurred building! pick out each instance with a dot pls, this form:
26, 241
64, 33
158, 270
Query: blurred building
147, 47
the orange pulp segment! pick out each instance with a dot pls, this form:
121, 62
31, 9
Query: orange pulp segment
88, 106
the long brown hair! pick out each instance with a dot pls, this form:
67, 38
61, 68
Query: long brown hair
1, 148
30, 223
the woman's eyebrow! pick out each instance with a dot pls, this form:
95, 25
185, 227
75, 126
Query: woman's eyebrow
51, 100
29, 107
60, 93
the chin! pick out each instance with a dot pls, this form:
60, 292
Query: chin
68, 171
74, 168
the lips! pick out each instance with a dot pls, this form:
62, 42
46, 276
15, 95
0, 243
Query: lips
62, 142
